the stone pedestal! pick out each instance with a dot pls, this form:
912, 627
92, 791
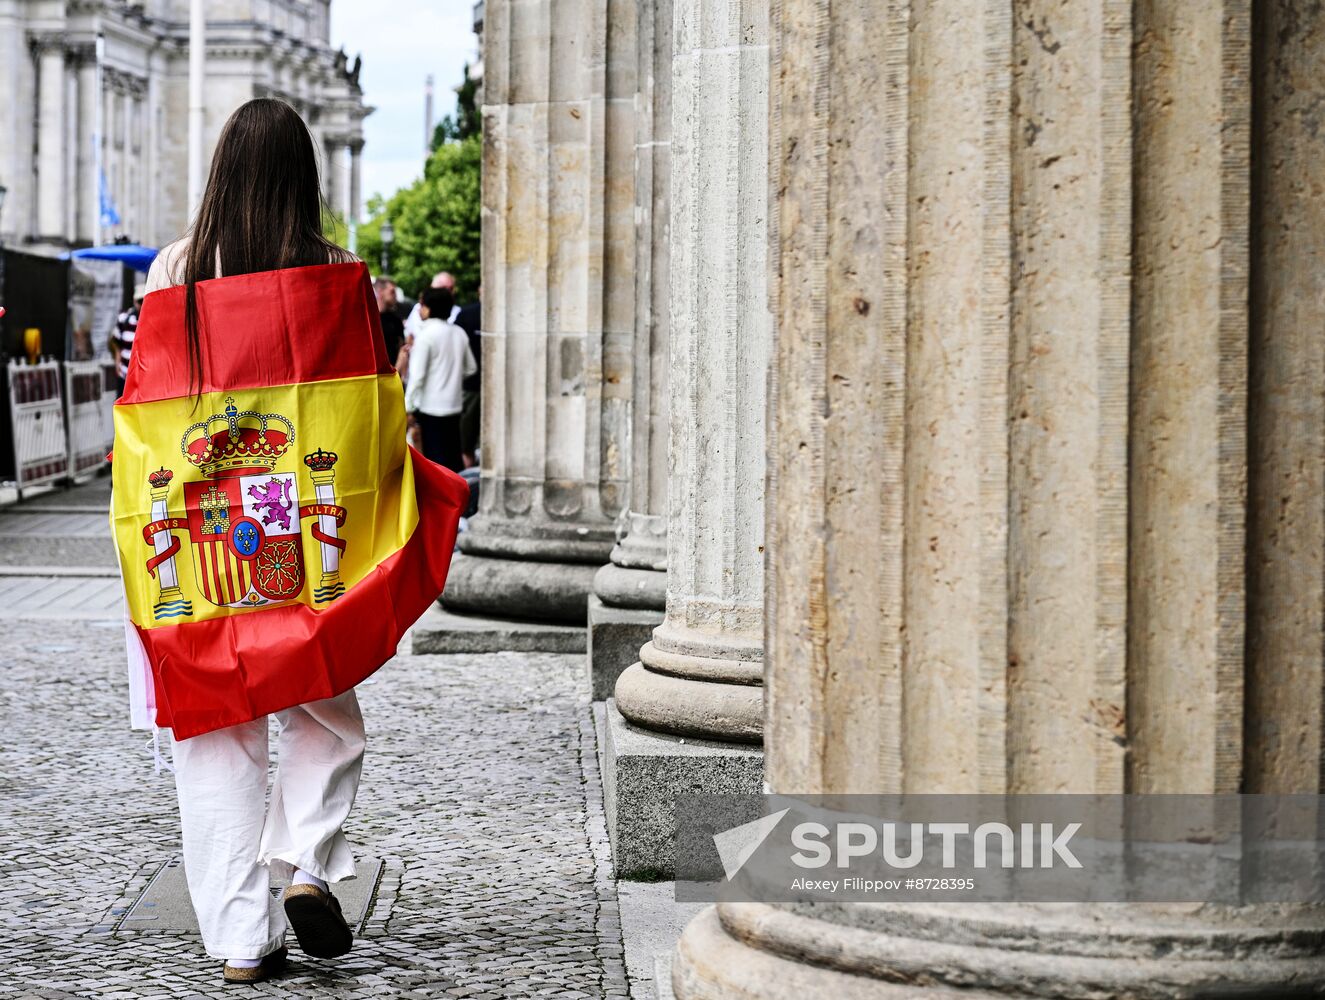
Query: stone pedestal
615, 636
558, 313
1015, 541
627, 604
700, 675
636, 762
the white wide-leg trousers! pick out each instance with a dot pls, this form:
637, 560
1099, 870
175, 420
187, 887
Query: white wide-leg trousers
230, 839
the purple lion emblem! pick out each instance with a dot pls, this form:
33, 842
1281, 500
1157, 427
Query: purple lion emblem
273, 497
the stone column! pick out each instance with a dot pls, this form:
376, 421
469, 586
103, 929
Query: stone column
88, 202
558, 310
1285, 749
128, 164
997, 563
51, 193
334, 179
700, 676
72, 116
356, 174
630, 591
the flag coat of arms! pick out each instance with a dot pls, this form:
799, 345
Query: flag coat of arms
276, 535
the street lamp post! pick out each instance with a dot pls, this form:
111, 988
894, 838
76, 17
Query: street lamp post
388, 236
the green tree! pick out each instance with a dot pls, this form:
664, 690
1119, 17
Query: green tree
467, 120
436, 221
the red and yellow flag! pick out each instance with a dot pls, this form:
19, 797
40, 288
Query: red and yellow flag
275, 533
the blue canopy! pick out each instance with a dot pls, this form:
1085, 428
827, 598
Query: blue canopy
137, 257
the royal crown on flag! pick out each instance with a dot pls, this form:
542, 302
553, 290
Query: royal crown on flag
321, 461
246, 442
160, 479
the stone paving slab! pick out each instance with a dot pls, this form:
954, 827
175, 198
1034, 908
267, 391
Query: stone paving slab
60, 571
479, 794
92, 495
165, 904
21, 549
651, 924
60, 527
61, 597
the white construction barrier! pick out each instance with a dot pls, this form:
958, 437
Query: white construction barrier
41, 448
88, 421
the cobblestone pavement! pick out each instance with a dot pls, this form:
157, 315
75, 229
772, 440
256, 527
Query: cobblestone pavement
480, 793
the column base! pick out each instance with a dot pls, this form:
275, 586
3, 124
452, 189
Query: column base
519, 588
628, 587
686, 706
615, 638
644, 772
1065, 951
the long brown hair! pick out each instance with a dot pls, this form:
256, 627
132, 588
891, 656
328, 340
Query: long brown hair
262, 209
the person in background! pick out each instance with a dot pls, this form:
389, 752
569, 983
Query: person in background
393, 327
444, 280
470, 319
440, 360
121, 338
402, 369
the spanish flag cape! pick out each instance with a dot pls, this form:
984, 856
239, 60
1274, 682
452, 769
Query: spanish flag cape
275, 535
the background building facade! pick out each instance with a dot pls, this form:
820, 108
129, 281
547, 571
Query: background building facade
94, 109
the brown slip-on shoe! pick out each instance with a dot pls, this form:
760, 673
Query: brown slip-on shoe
271, 965
317, 922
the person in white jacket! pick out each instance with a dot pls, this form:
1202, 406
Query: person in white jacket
439, 361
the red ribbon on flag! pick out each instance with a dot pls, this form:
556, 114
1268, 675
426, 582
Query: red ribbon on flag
325, 510
149, 536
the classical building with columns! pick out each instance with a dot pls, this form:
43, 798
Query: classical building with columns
97, 88
936, 390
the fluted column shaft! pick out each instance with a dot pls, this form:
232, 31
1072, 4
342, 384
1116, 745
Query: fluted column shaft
71, 143
653, 186
558, 248
88, 202
629, 593
1008, 527
356, 174
129, 164
634, 578
1285, 735
333, 180
50, 141
701, 672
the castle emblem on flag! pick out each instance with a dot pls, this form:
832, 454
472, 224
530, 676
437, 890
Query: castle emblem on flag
244, 516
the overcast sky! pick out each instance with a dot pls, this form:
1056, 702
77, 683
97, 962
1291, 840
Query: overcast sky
402, 41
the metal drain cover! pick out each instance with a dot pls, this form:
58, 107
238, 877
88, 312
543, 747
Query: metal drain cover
165, 905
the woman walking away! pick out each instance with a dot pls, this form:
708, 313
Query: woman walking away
275, 534
440, 361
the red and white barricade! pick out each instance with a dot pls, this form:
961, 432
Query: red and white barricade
41, 447
88, 421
